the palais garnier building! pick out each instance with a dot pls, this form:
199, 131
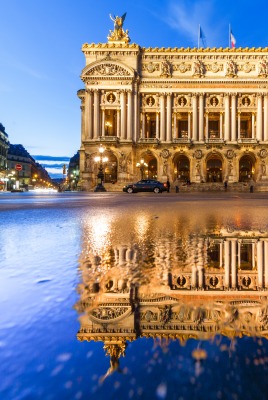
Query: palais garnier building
196, 114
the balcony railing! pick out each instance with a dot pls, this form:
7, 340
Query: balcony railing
108, 139
149, 140
214, 140
181, 140
247, 140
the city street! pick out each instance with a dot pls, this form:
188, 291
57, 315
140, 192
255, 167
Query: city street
56, 248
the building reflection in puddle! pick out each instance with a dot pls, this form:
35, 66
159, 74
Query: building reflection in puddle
171, 282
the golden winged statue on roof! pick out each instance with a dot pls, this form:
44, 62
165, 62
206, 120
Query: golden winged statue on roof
118, 34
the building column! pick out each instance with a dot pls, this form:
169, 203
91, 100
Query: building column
227, 263
85, 131
265, 122
260, 263
266, 263
175, 127
135, 114
102, 122
253, 135
189, 125
157, 125
207, 133
123, 114
221, 255
169, 117
233, 139
227, 117
90, 115
221, 125
233, 263
194, 276
129, 115
253, 254
201, 117
259, 117
118, 122
194, 103
143, 125
238, 124
96, 114
162, 118
200, 271
83, 128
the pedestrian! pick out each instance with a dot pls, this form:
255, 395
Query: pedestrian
168, 185
251, 186
225, 185
176, 184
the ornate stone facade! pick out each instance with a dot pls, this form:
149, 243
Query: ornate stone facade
197, 114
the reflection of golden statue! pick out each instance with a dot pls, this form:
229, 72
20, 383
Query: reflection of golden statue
118, 34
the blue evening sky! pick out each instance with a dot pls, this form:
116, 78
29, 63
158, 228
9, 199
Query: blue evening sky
41, 58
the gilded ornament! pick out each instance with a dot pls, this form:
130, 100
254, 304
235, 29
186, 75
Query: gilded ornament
150, 67
230, 154
198, 154
118, 34
263, 153
165, 153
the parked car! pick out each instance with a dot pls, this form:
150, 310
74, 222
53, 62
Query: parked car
145, 185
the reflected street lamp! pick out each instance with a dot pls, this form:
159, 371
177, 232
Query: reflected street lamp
100, 177
142, 166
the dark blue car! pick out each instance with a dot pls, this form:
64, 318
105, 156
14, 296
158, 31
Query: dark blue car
145, 185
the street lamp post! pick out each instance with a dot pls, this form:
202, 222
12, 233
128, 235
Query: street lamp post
142, 165
100, 176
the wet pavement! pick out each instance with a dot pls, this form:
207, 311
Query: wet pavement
142, 296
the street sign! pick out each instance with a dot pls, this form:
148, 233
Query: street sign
18, 167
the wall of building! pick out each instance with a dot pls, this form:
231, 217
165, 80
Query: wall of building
196, 114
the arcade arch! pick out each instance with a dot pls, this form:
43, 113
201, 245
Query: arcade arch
110, 168
246, 168
182, 167
214, 168
147, 165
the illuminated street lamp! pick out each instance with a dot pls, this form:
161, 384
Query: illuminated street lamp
74, 179
100, 177
142, 166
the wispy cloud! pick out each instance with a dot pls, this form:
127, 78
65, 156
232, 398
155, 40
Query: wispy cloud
29, 71
185, 17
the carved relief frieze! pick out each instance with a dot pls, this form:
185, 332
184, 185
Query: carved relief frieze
108, 313
247, 67
108, 69
214, 67
150, 67
182, 67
